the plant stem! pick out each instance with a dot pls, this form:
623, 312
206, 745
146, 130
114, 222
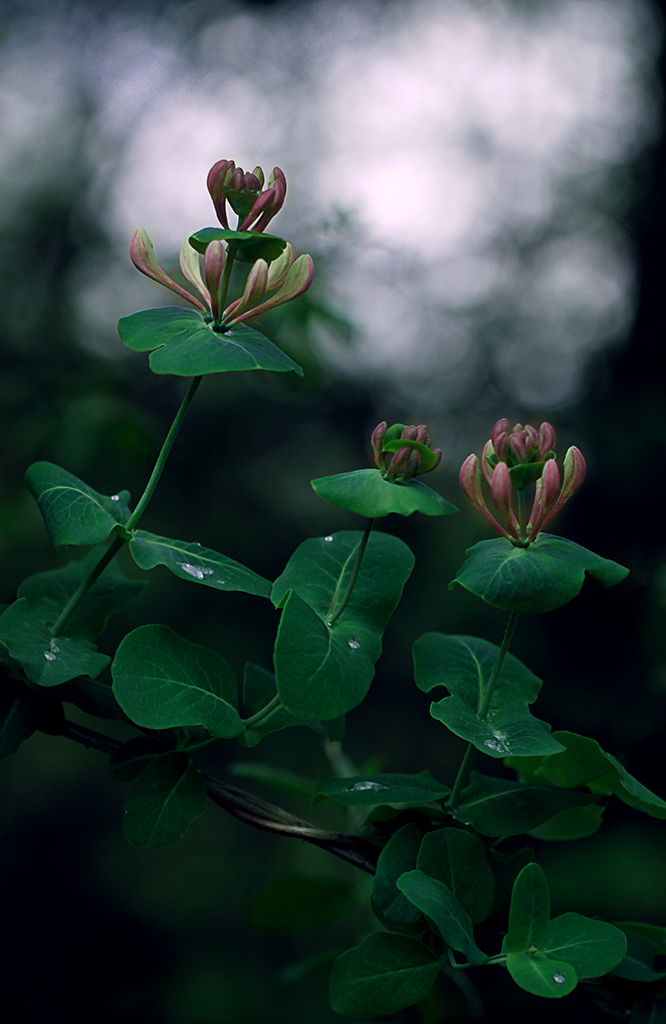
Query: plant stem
226, 278
522, 512
112, 551
461, 778
163, 456
80, 593
333, 616
263, 713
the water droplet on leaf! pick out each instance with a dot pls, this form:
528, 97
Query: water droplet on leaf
364, 786
328, 539
198, 572
354, 644
559, 978
115, 497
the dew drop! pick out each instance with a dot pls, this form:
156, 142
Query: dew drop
364, 787
198, 572
328, 539
354, 644
49, 656
559, 978
115, 497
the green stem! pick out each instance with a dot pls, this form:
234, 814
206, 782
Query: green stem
333, 616
263, 713
112, 551
80, 593
522, 512
461, 778
226, 278
163, 456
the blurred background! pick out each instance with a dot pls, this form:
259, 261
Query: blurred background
482, 189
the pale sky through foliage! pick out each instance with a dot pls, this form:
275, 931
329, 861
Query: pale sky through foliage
475, 148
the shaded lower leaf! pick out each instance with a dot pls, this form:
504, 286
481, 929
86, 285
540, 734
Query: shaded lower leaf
259, 689
166, 799
529, 913
183, 342
366, 492
574, 823
382, 975
94, 696
192, 562
131, 760
591, 947
639, 959
19, 714
656, 933
300, 901
458, 859
538, 974
545, 575
497, 807
324, 670
73, 512
45, 660
434, 899
47, 593
391, 906
410, 790
162, 681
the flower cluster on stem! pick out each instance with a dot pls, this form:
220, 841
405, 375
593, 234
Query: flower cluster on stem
268, 284
403, 452
511, 461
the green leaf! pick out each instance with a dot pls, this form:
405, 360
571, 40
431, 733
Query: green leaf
45, 660
131, 760
47, 593
574, 823
530, 910
458, 859
191, 561
259, 689
162, 681
654, 932
361, 790
392, 907
19, 714
183, 342
545, 575
464, 665
249, 245
324, 671
300, 901
497, 807
538, 974
434, 899
366, 492
584, 763
592, 948
164, 801
382, 975
638, 962
73, 513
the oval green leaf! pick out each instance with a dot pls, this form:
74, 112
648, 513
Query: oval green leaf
162, 681
458, 859
382, 975
249, 245
392, 907
163, 803
182, 341
191, 561
434, 899
529, 913
366, 492
538, 974
498, 807
593, 948
73, 512
543, 576
363, 790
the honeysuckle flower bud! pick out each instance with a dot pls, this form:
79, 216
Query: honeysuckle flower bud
243, 191
215, 261
218, 181
376, 440
190, 266
279, 268
142, 256
514, 460
402, 452
297, 280
397, 462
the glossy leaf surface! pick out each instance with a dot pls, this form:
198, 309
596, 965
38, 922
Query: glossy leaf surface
458, 859
191, 561
530, 910
72, 511
543, 576
593, 948
182, 342
249, 245
464, 665
411, 790
382, 975
259, 689
366, 492
165, 800
497, 807
324, 671
584, 763
45, 660
540, 975
162, 681
434, 899
47, 593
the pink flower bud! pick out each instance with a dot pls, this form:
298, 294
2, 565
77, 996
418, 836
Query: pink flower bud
547, 491
252, 182
215, 261
278, 190
438, 453
257, 208
279, 268
190, 265
377, 440
500, 427
422, 434
237, 180
413, 466
217, 182
470, 481
409, 434
487, 462
400, 459
546, 439
517, 448
574, 474
501, 490
259, 175
142, 256
297, 281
